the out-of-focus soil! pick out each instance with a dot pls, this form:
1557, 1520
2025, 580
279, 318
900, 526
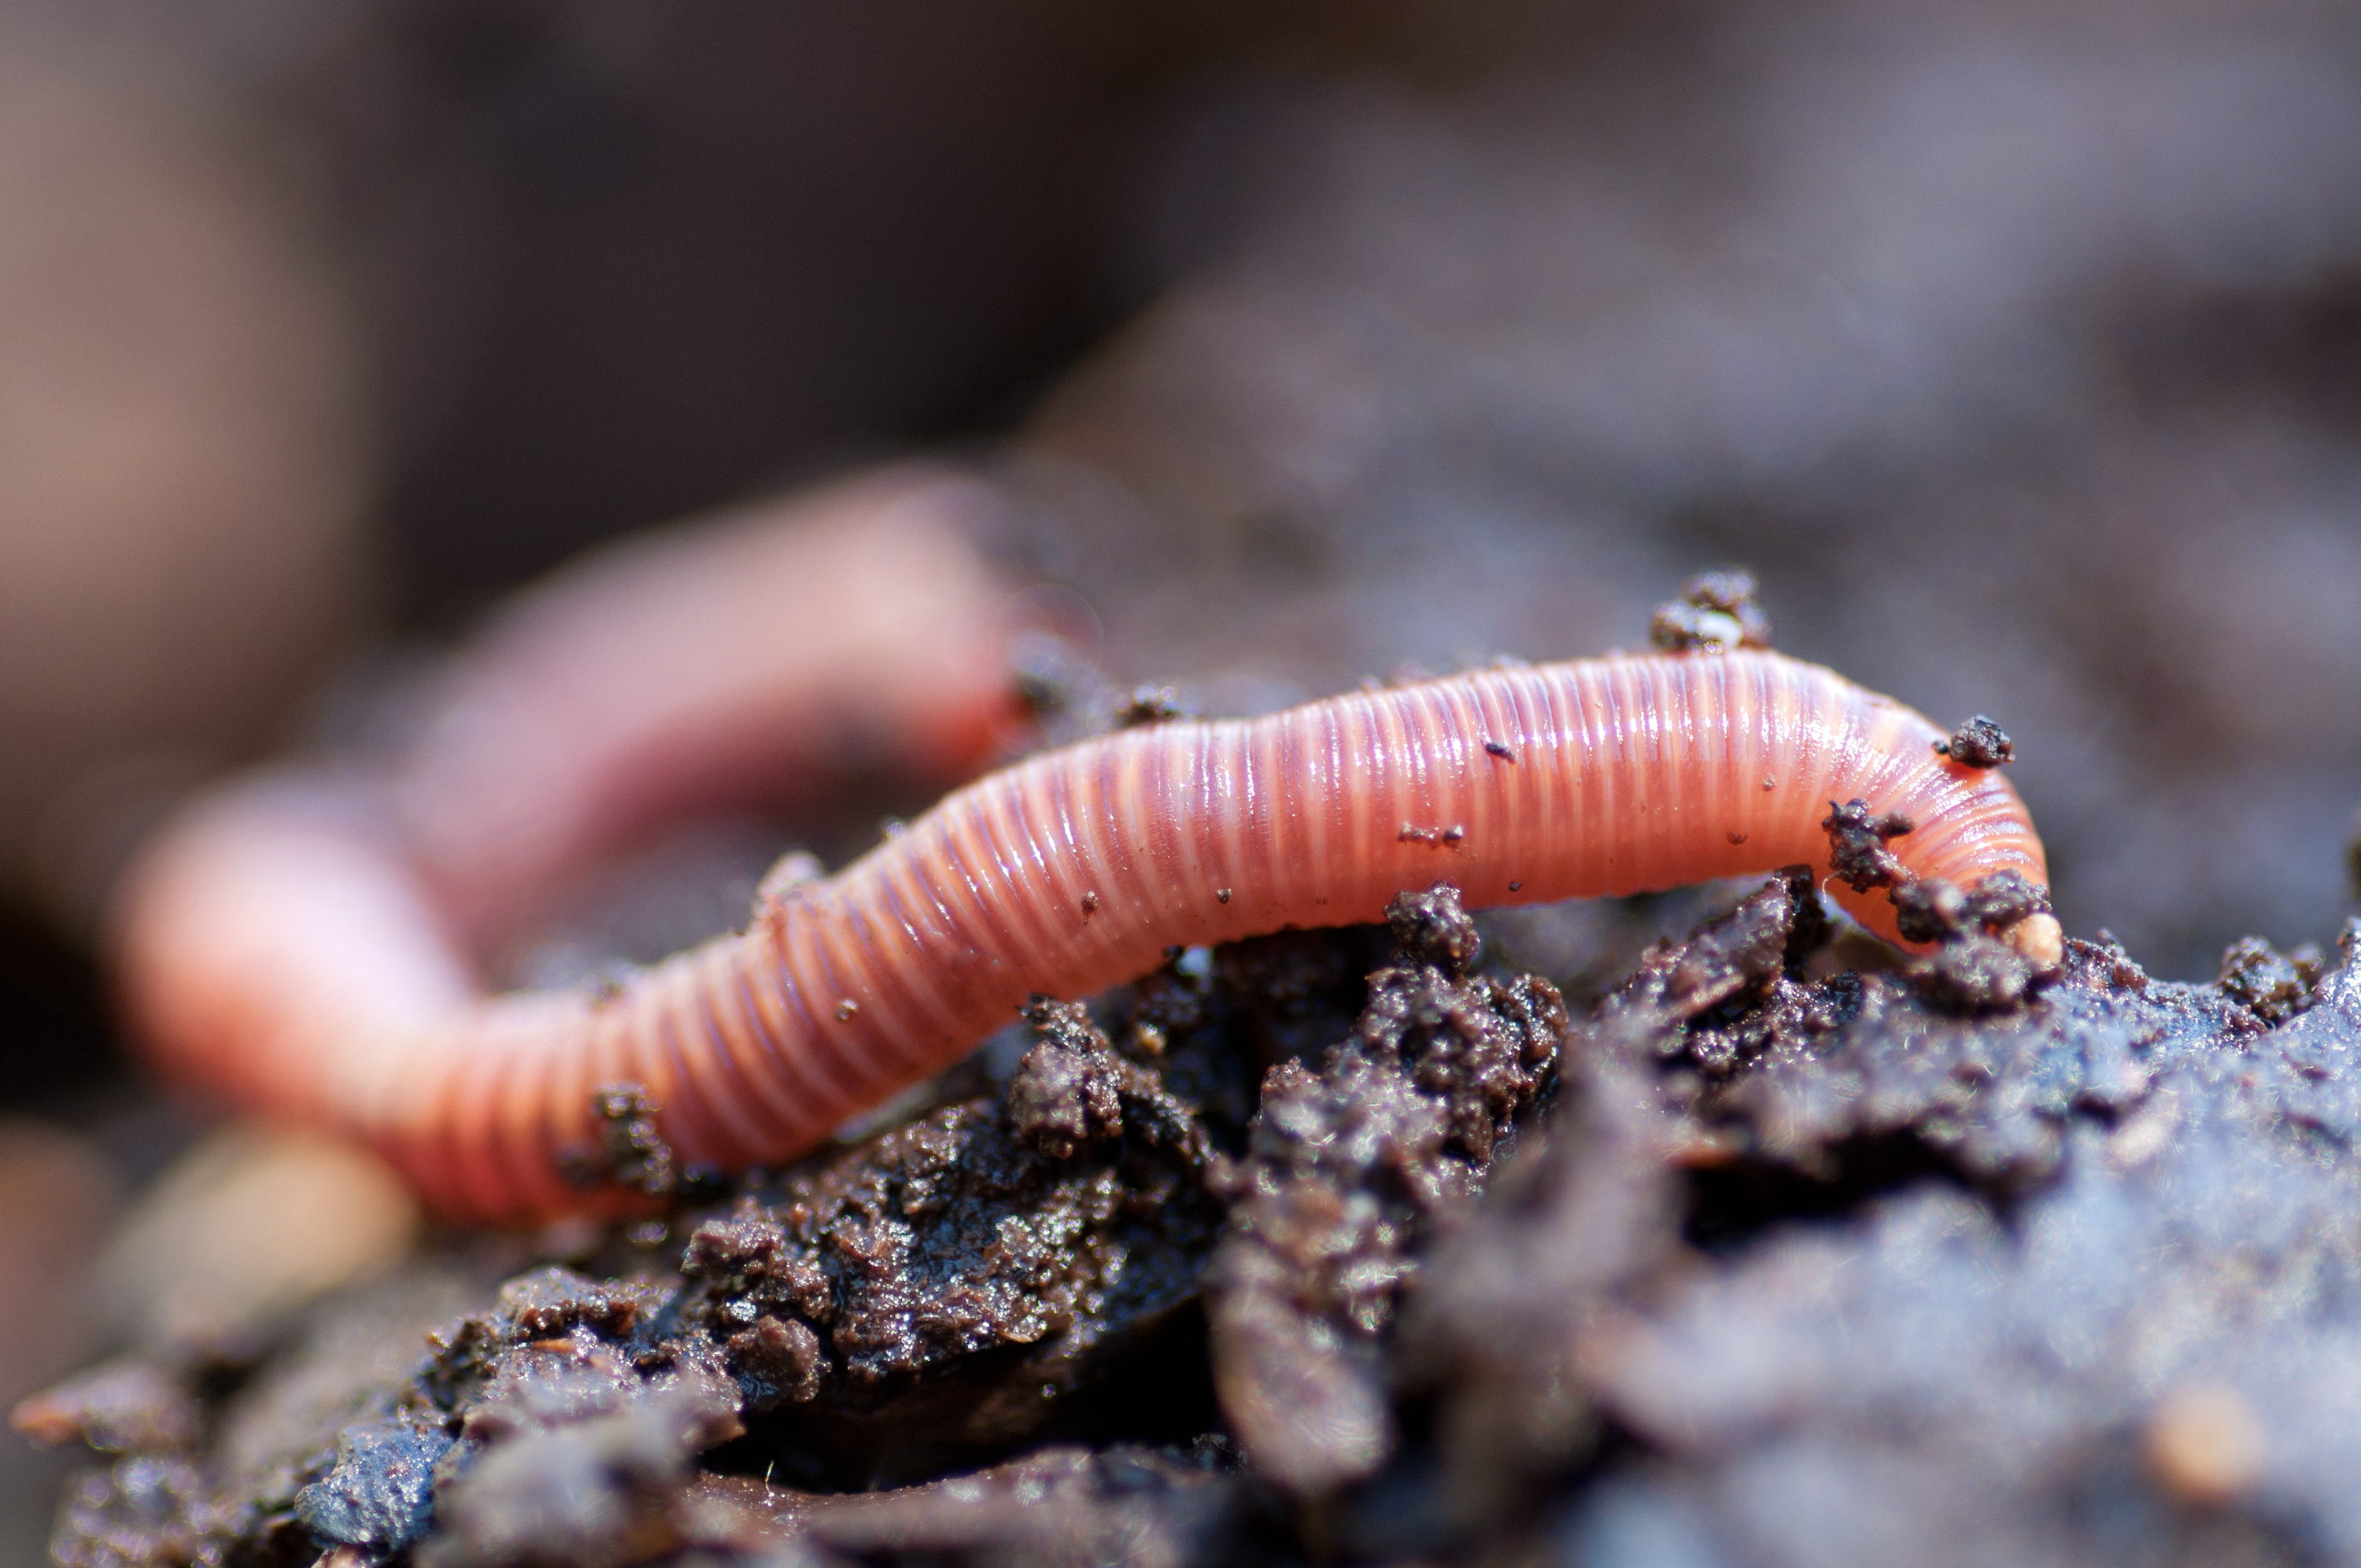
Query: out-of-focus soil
2015, 352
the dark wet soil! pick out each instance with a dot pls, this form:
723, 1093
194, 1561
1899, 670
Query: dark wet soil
1349, 1247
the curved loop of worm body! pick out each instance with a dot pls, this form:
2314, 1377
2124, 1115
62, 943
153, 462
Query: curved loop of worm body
334, 997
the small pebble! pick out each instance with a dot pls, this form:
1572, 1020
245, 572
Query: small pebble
2206, 1445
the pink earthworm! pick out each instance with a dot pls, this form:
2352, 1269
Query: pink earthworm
315, 975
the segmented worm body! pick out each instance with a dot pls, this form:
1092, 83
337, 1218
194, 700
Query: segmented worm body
1064, 874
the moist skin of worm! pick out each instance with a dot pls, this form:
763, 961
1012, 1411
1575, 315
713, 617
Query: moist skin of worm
1064, 874
297, 931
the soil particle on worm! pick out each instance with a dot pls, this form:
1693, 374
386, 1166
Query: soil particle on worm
1150, 705
1929, 910
632, 1155
1978, 743
1716, 609
1767, 1255
1857, 839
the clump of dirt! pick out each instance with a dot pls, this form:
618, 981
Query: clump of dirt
935, 1290
1350, 1170
2272, 985
1716, 609
1986, 1351
1786, 1090
1930, 909
1978, 743
632, 1155
1970, 970
1857, 854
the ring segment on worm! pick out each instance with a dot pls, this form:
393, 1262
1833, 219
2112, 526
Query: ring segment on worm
283, 949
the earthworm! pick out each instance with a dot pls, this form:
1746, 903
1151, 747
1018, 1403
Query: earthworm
315, 976
705, 668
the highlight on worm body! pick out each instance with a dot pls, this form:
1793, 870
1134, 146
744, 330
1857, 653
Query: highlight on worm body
299, 945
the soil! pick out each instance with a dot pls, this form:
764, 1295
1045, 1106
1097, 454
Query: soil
1353, 1246
1978, 743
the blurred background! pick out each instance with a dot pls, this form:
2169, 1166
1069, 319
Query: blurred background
2016, 348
